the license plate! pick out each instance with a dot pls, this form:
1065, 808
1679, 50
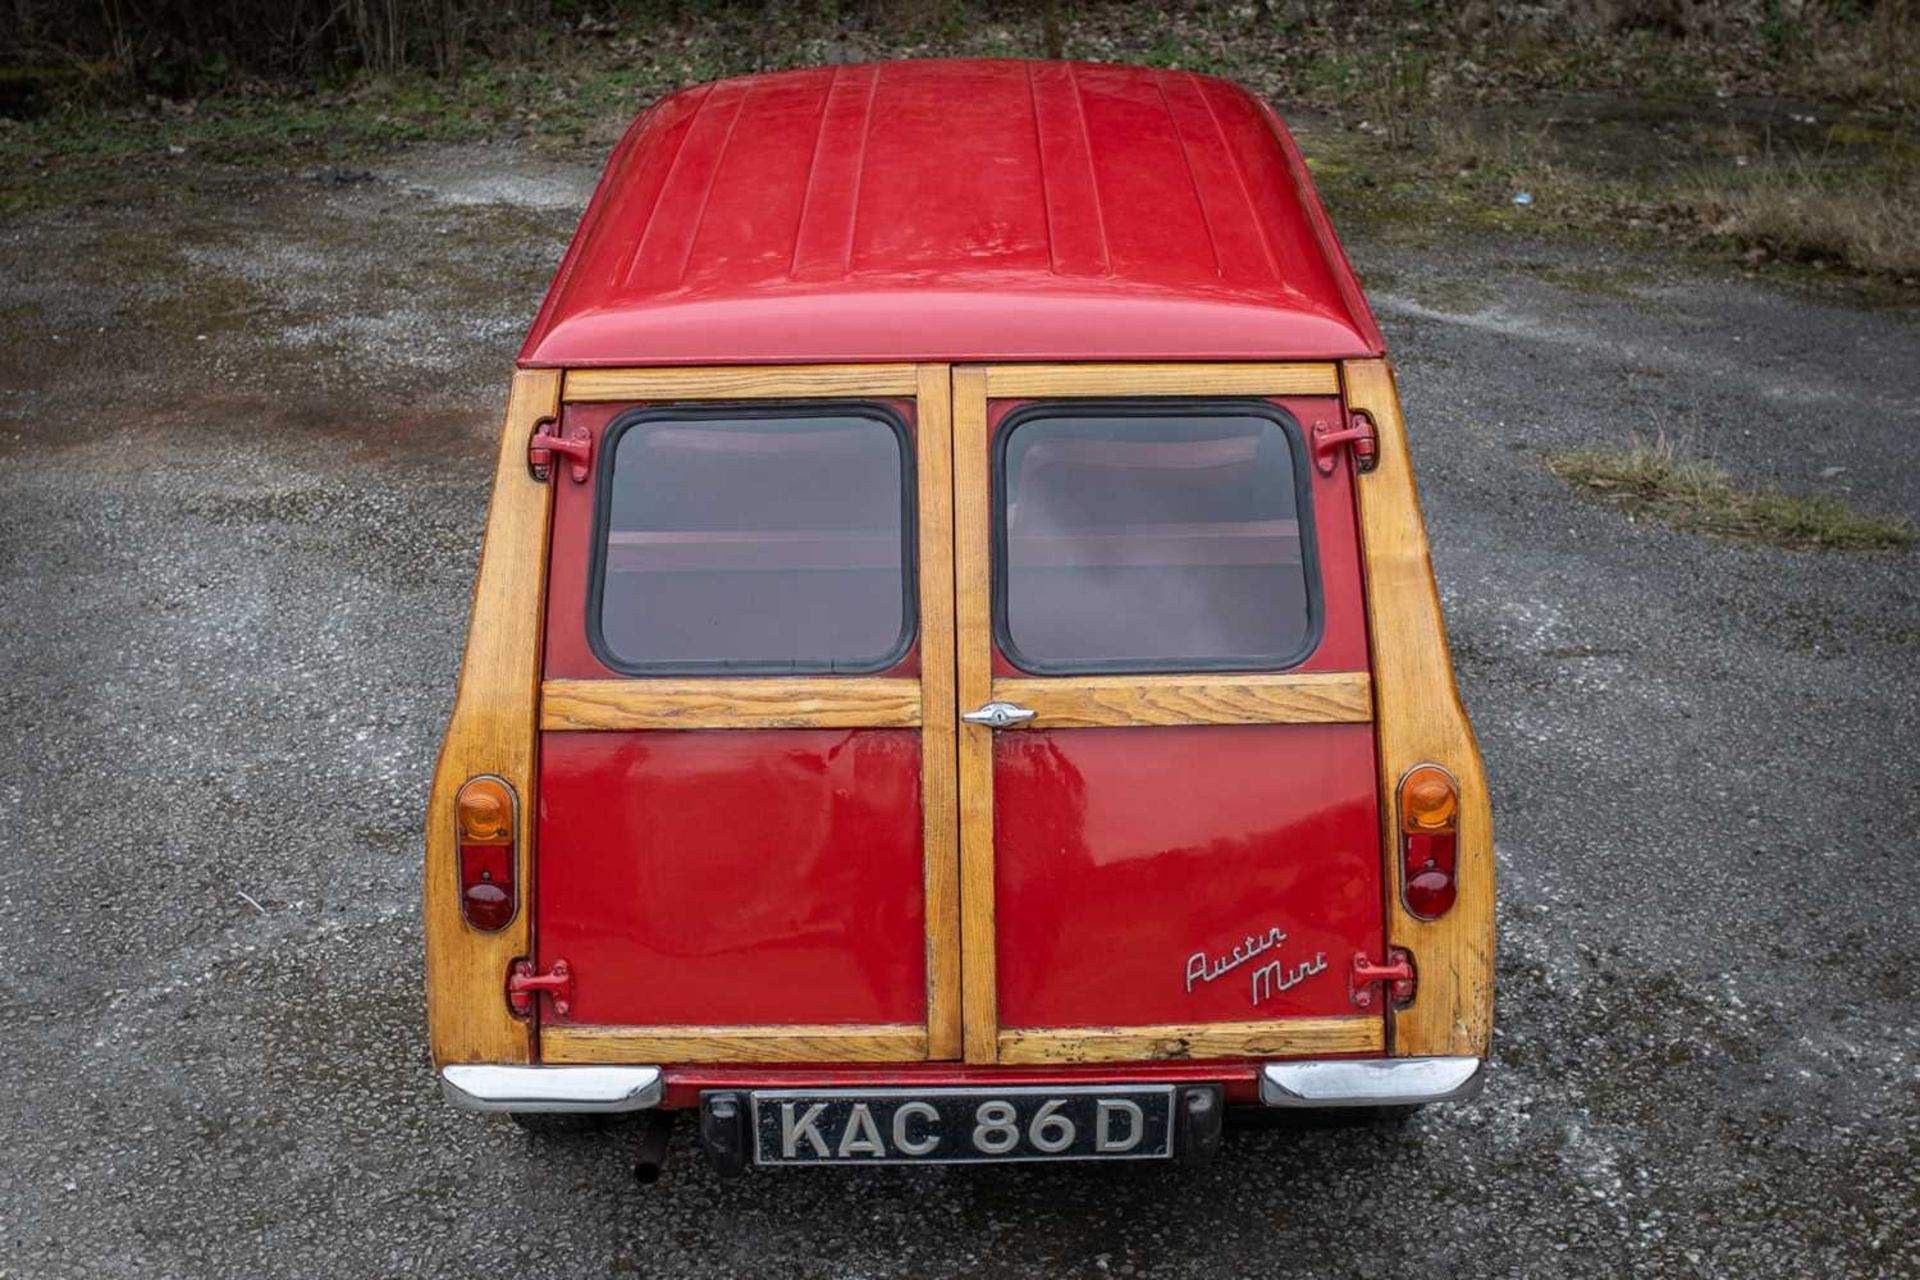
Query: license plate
952, 1126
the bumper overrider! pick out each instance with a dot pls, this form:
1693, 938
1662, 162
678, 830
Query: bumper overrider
576, 1089
1370, 1082
1366, 1082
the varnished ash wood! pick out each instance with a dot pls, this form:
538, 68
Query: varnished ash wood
973, 621
799, 702
744, 382
1087, 701
939, 797
492, 732
1020, 381
1082, 702
770, 702
1295, 1037
826, 1043
1420, 720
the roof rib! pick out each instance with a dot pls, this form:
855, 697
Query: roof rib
968, 209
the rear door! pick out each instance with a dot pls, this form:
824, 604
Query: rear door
746, 845
763, 835
1170, 826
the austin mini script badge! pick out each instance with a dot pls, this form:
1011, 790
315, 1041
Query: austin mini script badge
1264, 982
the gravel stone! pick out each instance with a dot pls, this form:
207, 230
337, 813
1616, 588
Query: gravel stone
248, 436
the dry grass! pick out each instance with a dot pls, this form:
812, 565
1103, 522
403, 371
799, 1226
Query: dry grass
1654, 477
1790, 209
1504, 160
1852, 204
1455, 171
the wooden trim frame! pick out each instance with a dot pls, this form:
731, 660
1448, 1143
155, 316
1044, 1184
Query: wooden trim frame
492, 732
973, 619
1021, 381
1090, 701
767, 702
1292, 1038
501, 704
745, 382
826, 1043
1086, 702
1420, 720
800, 702
939, 717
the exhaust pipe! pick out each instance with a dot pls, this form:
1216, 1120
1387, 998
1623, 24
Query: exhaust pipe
650, 1161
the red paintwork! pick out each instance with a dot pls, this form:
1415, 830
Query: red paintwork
526, 984
1330, 440
571, 443
567, 654
569, 567
1121, 852
954, 210
1395, 975
1343, 637
715, 877
733, 876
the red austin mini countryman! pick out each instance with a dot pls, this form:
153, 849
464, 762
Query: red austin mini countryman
955, 672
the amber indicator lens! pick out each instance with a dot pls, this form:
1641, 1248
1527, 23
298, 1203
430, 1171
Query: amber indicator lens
1427, 800
1429, 845
484, 812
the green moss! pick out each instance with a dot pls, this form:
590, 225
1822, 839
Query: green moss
1653, 477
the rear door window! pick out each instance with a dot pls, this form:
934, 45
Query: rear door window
1139, 538
754, 539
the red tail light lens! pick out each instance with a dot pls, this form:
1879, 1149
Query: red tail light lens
1429, 839
484, 812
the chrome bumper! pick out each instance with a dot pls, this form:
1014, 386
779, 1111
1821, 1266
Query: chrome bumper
1370, 1082
481, 1087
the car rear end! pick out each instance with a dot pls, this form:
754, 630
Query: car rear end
928, 754
962, 758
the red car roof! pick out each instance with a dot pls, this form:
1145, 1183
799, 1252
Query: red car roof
954, 210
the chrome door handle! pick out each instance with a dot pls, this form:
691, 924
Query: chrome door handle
999, 715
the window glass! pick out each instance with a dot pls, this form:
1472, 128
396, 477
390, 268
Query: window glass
1151, 541
756, 541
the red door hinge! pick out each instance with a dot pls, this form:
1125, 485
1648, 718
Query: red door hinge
525, 983
1359, 434
575, 444
1396, 975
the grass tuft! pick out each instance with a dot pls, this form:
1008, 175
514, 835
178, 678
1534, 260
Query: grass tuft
1790, 209
1653, 477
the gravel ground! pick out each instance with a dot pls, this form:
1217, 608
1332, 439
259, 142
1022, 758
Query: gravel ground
246, 437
